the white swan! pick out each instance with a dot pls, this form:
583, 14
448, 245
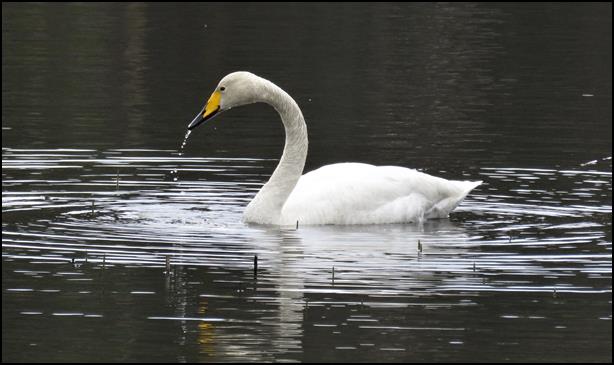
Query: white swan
343, 193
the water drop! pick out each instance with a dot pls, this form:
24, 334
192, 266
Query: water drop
185, 141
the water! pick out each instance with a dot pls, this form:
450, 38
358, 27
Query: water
96, 194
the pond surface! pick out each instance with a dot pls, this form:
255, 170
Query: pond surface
119, 246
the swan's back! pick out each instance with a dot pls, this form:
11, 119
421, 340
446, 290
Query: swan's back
357, 193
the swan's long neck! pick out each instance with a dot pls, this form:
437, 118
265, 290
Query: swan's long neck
266, 207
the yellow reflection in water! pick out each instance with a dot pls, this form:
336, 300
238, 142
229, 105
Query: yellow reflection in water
206, 336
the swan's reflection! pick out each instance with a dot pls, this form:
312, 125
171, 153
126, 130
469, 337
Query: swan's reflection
369, 260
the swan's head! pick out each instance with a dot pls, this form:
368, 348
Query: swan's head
235, 89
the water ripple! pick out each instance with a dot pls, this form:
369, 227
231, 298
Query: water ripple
138, 207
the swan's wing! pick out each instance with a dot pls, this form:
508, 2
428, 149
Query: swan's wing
356, 193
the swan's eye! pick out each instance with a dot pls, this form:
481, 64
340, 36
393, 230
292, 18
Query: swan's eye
222, 88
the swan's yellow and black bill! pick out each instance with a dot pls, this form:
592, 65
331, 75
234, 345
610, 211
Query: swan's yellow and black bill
209, 111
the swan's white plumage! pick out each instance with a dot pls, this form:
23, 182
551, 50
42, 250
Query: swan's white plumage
357, 193
344, 193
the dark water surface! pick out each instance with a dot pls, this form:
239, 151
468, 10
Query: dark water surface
96, 194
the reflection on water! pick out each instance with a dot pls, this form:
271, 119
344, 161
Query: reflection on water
97, 198
96, 244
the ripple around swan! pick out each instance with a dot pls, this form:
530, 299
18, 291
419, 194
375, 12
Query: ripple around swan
137, 207
114, 222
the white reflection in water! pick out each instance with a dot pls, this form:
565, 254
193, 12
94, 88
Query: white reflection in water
503, 239
198, 222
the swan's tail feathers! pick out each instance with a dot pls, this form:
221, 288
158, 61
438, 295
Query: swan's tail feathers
466, 187
443, 208
472, 185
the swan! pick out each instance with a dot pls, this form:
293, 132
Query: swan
341, 193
